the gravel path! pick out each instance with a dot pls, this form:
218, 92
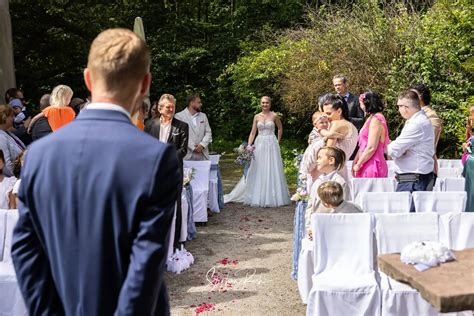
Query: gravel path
242, 265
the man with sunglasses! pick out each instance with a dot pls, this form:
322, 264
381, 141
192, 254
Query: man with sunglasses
413, 150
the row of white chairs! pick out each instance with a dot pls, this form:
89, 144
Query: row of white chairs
345, 280
424, 201
205, 187
390, 184
442, 163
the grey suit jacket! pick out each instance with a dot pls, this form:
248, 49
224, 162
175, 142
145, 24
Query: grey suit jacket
198, 134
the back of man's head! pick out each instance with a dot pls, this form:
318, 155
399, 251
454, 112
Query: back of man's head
412, 97
44, 101
423, 93
116, 58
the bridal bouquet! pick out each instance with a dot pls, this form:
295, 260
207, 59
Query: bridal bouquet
428, 253
188, 175
244, 154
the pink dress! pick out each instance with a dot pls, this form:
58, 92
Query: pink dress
376, 166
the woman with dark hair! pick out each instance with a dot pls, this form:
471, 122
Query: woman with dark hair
335, 107
373, 139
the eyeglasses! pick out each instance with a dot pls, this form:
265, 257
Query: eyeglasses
402, 105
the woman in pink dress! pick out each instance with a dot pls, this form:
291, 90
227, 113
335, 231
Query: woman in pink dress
373, 139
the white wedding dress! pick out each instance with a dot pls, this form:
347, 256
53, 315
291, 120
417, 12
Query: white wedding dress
265, 185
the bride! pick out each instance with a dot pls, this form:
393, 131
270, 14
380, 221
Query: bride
265, 185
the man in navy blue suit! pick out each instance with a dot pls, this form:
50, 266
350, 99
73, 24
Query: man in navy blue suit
97, 199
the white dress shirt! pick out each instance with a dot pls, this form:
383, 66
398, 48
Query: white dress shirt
413, 150
165, 132
107, 106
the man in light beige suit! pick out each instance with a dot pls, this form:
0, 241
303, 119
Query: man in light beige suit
437, 123
200, 134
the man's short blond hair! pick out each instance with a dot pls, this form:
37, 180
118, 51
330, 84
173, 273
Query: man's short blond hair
331, 193
117, 56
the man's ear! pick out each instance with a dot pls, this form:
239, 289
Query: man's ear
87, 79
145, 85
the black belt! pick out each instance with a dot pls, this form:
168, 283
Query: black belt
412, 177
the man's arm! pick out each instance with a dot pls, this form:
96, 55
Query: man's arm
410, 136
183, 147
32, 266
207, 139
145, 276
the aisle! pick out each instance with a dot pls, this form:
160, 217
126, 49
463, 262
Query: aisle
243, 265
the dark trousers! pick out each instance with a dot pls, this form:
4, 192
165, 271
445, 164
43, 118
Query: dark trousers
179, 217
424, 183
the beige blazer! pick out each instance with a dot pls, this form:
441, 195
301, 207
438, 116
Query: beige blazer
199, 133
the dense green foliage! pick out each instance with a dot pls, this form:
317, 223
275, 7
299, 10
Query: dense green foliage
232, 52
382, 48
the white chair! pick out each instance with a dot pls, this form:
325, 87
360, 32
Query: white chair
305, 269
451, 172
440, 202
344, 280
213, 186
3, 228
384, 202
372, 185
184, 218
454, 184
200, 187
449, 163
458, 230
393, 232
439, 185
11, 300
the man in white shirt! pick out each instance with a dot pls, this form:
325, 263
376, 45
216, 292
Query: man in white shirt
200, 134
413, 150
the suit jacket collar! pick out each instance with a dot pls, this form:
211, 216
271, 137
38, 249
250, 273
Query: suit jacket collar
103, 115
174, 127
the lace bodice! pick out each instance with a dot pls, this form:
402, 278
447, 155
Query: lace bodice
266, 128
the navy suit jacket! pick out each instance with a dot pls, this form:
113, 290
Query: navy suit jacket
96, 204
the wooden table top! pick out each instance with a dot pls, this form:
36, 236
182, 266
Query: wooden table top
448, 287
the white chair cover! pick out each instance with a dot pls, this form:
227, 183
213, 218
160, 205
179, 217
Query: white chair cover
344, 279
11, 300
393, 232
184, 218
440, 202
384, 202
439, 185
454, 184
451, 172
372, 185
458, 230
449, 163
305, 269
200, 186
3, 228
213, 187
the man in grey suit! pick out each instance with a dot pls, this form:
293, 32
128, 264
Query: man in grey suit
356, 115
200, 134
